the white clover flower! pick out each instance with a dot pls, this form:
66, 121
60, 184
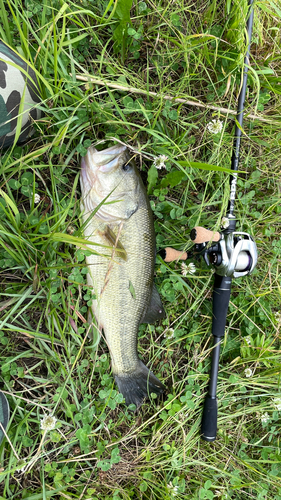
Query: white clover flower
215, 126
70, 229
169, 334
225, 222
37, 198
264, 418
159, 161
190, 269
221, 494
48, 422
277, 316
173, 490
248, 340
248, 372
277, 403
183, 269
21, 465
183, 415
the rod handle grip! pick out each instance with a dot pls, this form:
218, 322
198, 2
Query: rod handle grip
221, 297
201, 235
209, 419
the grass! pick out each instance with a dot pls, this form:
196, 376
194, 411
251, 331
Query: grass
98, 448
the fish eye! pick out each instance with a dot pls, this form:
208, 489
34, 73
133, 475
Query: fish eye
127, 167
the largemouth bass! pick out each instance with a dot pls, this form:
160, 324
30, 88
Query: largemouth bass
121, 231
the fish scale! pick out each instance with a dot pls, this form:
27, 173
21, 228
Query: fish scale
123, 285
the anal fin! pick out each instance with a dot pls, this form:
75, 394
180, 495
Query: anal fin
155, 309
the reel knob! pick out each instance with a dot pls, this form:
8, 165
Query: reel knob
169, 254
201, 235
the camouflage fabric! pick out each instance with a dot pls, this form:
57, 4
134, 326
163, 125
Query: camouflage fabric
17, 88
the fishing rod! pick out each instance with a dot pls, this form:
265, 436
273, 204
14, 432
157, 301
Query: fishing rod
233, 254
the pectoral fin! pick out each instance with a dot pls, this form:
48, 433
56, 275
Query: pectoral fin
155, 309
110, 238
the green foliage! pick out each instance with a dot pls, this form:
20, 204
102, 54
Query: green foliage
120, 34
52, 363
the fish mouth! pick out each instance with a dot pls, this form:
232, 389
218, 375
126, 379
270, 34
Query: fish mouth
105, 161
95, 167
108, 159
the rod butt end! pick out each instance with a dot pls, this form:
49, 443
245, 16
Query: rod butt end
209, 419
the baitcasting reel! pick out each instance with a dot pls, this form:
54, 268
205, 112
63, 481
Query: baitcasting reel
232, 254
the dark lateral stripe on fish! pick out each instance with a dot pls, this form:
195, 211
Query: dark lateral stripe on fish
137, 386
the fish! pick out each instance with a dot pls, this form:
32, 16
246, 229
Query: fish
117, 222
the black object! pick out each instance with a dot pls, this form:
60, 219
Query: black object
222, 285
4, 414
221, 296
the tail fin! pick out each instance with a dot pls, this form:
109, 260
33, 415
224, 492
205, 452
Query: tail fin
137, 385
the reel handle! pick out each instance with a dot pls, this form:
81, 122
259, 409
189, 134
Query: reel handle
201, 235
